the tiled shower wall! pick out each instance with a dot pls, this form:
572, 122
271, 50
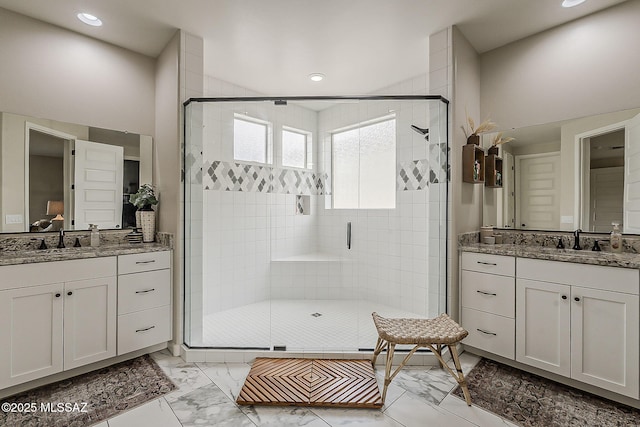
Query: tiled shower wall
390, 248
250, 209
252, 234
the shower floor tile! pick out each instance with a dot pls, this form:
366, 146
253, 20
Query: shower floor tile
300, 325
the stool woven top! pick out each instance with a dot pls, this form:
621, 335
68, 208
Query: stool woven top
439, 330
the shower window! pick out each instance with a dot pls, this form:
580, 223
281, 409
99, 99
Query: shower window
364, 165
251, 139
296, 148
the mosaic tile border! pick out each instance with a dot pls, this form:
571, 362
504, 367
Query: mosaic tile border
227, 176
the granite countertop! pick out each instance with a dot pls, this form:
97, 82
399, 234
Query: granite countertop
48, 255
585, 256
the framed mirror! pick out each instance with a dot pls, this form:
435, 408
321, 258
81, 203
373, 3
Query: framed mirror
64, 175
571, 174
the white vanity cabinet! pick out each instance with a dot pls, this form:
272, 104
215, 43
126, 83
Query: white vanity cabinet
487, 299
144, 300
56, 316
580, 321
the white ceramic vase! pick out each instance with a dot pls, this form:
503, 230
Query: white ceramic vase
146, 222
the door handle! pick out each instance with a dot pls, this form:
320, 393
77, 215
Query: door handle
485, 332
145, 291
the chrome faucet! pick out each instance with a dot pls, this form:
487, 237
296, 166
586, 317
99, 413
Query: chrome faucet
576, 242
60, 239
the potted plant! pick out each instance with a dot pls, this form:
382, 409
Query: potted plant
497, 140
144, 199
472, 133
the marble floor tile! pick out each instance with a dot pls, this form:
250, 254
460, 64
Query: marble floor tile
156, 413
187, 376
475, 414
208, 406
279, 416
229, 377
423, 384
337, 417
412, 411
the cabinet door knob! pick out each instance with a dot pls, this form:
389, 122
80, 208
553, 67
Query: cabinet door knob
577, 299
58, 295
69, 293
564, 297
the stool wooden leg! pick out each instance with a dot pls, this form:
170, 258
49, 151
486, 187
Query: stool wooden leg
460, 377
439, 350
387, 372
376, 351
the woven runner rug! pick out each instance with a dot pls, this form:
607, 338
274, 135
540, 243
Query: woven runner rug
311, 382
87, 399
532, 401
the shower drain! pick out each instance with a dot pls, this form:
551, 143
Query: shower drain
316, 314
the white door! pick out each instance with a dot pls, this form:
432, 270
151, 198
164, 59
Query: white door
606, 199
89, 321
604, 339
30, 333
98, 185
632, 176
538, 191
508, 191
543, 325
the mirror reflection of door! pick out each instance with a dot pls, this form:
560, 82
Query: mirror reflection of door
509, 191
98, 185
610, 170
538, 191
632, 176
47, 179
606, 166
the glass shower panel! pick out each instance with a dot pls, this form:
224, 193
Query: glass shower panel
276, 259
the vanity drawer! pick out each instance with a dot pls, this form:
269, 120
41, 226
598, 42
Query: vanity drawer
148, 261
143, 329
616, 279
487, 263
489, 293
489, 332
140, 291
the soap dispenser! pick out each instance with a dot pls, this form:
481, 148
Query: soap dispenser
616, 238
95, 235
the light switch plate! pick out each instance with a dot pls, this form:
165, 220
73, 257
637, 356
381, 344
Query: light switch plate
13, 219
566, 219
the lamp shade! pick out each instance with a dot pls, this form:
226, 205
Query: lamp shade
55, 207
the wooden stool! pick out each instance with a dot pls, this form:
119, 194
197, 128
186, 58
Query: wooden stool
437, 332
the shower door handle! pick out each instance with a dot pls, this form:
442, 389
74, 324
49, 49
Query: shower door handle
348, 235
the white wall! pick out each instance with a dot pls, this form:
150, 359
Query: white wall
455, 74
588, 66
57, 74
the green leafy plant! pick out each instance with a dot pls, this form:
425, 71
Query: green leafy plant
144, 198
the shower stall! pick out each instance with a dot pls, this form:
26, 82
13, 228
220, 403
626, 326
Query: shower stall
303, 215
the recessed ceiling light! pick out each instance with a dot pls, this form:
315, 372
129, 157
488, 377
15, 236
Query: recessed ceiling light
571, 3
316, 77
90, 19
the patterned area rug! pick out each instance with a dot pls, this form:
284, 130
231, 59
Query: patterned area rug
311, 382
87, 399
533, 401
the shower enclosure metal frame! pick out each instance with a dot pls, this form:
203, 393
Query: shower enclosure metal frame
283, 100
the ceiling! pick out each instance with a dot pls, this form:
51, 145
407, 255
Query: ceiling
271, 46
